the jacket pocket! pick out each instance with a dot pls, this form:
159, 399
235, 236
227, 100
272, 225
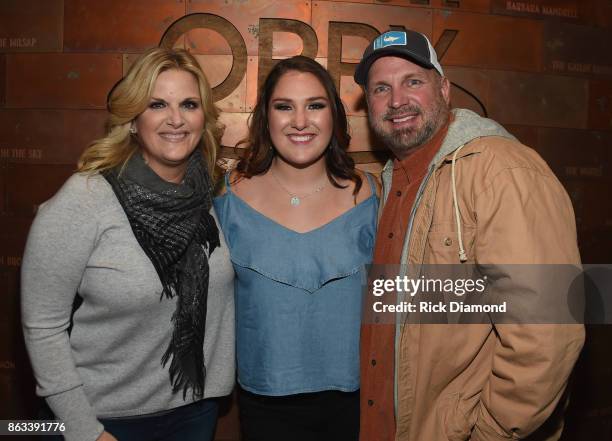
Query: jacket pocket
442, 244
459, 416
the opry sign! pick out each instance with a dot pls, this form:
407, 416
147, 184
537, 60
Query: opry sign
267, 27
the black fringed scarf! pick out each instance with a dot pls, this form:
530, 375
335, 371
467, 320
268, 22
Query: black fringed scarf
173, 226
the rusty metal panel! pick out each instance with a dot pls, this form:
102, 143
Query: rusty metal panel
3, 190
353, 97
465, 95
28, 185
13, 234
10, 326
117, 25
600, 104
587, 196
356, 1
205, 41
9, 295
577, 50
12, 244
583, 154
62, 80
527, 99
245, 17
11, 333
216, 68
490, 41
285, 44
360, 134
598, 12
482, 6
565, 9
270, 29
525, 134
378, 16
48, 136
575, 192
236, 128
16, 384
251, 83
356, 32
595, 246
589, 12
16, 381
2, 79
469, 89
539, 100
593, 217
406, 3
127, 61
31, 25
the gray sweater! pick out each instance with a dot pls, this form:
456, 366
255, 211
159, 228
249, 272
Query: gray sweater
110, 365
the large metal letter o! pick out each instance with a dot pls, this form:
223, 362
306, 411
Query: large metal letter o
228, 31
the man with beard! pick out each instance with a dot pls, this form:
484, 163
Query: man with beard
460, 190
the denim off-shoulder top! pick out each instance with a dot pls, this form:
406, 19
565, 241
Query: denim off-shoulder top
298, 297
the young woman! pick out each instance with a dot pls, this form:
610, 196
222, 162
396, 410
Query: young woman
134, 235
299, 221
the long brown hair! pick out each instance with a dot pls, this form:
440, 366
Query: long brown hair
260, 152
130, 97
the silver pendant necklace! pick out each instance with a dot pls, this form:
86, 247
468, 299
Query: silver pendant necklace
295, 200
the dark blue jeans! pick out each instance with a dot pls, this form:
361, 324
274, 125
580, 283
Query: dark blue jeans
193, 422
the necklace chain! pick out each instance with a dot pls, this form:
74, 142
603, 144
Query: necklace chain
295, 199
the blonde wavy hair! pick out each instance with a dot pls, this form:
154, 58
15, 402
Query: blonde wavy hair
130, 97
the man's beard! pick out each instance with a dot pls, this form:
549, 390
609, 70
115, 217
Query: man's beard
403, 141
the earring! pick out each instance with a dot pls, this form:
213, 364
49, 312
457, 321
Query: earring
133, 130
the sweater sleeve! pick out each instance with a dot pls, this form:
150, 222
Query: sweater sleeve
59, 244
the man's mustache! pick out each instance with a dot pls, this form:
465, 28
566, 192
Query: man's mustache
409, 108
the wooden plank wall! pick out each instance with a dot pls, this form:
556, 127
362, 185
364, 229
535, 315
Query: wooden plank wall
543, 68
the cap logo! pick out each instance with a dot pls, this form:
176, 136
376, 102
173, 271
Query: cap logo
391, 38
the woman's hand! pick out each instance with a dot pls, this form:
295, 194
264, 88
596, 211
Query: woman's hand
106, 437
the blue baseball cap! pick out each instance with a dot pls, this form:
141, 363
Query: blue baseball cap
411, 45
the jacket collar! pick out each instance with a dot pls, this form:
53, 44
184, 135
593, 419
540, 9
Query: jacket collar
466, 127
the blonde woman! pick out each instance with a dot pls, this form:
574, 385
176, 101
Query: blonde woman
134, 236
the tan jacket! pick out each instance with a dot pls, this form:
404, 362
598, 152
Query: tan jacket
486, 381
